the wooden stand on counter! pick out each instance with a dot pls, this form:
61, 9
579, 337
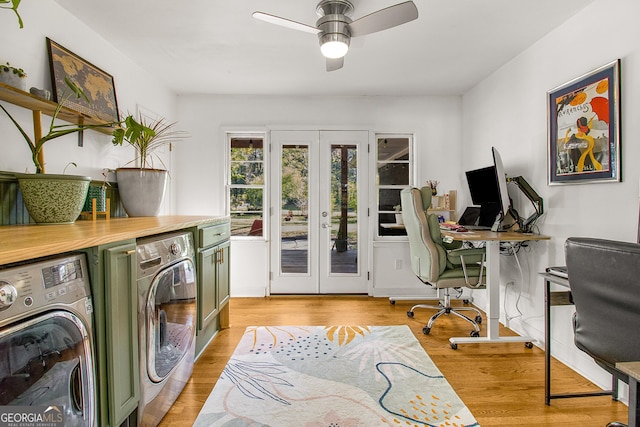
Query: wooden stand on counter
93, 214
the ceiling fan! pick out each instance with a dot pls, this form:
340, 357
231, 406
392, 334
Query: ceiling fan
335, 27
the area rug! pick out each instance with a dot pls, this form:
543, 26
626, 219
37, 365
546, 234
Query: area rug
317, 376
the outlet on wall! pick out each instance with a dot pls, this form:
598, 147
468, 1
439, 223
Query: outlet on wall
398, 264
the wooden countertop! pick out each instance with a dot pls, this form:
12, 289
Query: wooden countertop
23, 242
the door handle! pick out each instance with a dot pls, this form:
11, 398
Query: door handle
325, 225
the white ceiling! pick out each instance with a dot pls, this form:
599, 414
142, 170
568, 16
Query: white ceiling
216, 47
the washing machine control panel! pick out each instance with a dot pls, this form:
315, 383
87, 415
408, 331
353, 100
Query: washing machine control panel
28, 287
8, 294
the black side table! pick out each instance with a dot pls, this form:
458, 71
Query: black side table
557, 298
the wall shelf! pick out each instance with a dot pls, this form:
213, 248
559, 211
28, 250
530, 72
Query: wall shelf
445, 206
38, 105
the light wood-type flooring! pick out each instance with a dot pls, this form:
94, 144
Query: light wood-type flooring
502, 384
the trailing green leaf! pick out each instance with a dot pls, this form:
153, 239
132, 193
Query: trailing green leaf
14, 7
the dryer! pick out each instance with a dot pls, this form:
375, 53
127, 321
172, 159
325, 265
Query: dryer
166, 321
46, 340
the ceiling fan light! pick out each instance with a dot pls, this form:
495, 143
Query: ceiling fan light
334, 49
334, 45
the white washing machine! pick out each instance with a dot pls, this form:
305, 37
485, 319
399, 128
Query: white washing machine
166, 321
46, 340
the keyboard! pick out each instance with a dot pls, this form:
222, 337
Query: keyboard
477, 227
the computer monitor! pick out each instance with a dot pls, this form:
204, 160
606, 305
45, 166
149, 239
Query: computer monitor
501, 178
484, 191
488, 188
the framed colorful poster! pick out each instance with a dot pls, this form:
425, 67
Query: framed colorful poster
96, 84
584, 128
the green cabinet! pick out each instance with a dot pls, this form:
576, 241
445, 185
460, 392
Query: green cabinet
113, 279
224, 293
212, 265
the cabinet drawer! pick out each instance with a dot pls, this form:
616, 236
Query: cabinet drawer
214, 234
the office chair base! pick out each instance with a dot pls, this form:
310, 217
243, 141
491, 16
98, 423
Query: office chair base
449, 310
616, 424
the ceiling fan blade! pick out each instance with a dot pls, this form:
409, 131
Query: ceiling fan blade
334, 63
283, 22
384, 19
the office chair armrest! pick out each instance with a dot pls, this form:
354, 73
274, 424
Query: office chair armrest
470, 256
456, 244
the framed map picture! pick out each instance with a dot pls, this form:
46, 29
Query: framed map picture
97, 85
584, 128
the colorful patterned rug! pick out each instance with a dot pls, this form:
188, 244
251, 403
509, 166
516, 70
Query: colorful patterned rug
317, 376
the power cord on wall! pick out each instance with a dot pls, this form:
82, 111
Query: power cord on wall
512, 249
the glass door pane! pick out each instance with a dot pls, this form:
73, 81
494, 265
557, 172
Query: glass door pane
344, 209
294, 215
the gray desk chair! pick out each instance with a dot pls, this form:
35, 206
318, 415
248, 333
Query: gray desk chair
604, 277
434, 264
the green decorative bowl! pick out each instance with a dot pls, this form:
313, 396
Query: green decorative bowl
53, 199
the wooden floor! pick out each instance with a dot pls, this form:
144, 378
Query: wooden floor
502, 384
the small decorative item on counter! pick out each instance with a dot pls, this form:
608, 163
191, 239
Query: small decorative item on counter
434, 186
13, 76
99, 193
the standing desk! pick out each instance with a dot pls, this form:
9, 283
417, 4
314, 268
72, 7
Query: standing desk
492, 240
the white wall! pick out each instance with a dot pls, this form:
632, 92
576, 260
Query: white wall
26, 48
435, 121
508, 110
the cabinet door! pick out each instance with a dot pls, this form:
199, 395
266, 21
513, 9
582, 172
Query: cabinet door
222, 275
207, 292
121, 331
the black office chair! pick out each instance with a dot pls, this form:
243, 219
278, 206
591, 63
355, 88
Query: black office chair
605, 283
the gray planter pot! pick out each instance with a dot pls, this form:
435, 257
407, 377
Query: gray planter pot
53, 199
14, 80
141, 190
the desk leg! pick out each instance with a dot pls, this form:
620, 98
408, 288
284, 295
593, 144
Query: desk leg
493, 303
634, 405
547, 342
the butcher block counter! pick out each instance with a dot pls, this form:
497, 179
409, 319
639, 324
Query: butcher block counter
24, 242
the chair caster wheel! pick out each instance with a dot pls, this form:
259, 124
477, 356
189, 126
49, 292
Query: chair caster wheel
426, 330
478, 319
475, 334
410, 314
528, 344
454, 346
465, 301
392, 302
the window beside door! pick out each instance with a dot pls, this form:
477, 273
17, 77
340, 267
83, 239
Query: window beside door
394, 161
246, 184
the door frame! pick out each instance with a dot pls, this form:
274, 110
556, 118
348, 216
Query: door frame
316, 149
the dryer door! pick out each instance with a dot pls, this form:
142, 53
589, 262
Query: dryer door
171, 318
47, 361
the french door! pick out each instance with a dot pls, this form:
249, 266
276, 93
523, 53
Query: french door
319, 222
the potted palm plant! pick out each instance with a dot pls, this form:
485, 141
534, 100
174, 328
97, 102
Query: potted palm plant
142, 188
51, 198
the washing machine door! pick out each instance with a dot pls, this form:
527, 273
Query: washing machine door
171, 318
47, 361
